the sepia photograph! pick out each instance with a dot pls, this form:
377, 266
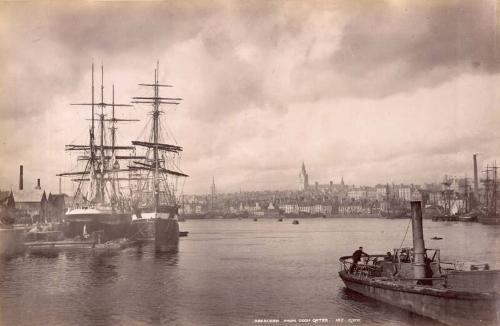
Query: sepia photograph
250, 162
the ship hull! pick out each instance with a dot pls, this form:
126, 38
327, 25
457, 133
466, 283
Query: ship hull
113, 224
445, 218
143, 227
490, 220
160, 227
467, 218
446, 306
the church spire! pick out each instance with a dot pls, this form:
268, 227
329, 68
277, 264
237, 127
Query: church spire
303, 178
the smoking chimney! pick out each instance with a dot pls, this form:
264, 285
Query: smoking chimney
475, 175
20, 177
38, 184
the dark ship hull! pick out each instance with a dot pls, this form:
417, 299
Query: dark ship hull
489, 219
112, 225
445, 305
160, 226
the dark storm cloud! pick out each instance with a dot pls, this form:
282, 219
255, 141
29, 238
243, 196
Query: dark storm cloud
50, 42
35, 67
386, 49
112, 28
46, 48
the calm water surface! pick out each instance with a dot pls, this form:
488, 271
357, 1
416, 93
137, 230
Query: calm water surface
227, 272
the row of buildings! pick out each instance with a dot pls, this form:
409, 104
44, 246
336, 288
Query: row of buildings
452, 195
32, 205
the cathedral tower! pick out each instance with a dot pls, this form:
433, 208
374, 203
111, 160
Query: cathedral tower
303, 178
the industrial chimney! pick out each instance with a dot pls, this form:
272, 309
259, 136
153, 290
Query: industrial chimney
475, 175
20, 177
38, 184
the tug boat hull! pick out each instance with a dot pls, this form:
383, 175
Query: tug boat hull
447, 306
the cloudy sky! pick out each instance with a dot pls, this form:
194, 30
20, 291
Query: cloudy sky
387, 91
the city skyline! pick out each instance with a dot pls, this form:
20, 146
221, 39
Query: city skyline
266, 86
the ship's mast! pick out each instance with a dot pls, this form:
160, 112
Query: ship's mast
494, 169
92, 154
388, 201
97, 174
101, 121
91, 163
156, 115
113, 135
113, 124
447, 194
487, 188
491, 189
153, 165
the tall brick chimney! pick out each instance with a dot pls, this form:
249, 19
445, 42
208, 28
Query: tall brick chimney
38, 184
476, 183
20, 177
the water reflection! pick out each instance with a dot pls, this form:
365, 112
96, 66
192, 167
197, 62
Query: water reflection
168, 258
102, 270
359, 304
44, 253
232, 274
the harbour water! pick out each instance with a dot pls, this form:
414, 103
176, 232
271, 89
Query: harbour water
227, 272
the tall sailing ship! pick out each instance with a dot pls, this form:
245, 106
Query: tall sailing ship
100, 204
155, 202
490, 210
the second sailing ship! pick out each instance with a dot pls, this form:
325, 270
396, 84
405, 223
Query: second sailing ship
155, 202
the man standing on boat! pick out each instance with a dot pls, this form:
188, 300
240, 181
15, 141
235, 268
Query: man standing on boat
356, 257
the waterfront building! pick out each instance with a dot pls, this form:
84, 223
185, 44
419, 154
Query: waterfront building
356, 193
404, 193
371, 193
289, 208
381, 192
56, 207
31, 205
